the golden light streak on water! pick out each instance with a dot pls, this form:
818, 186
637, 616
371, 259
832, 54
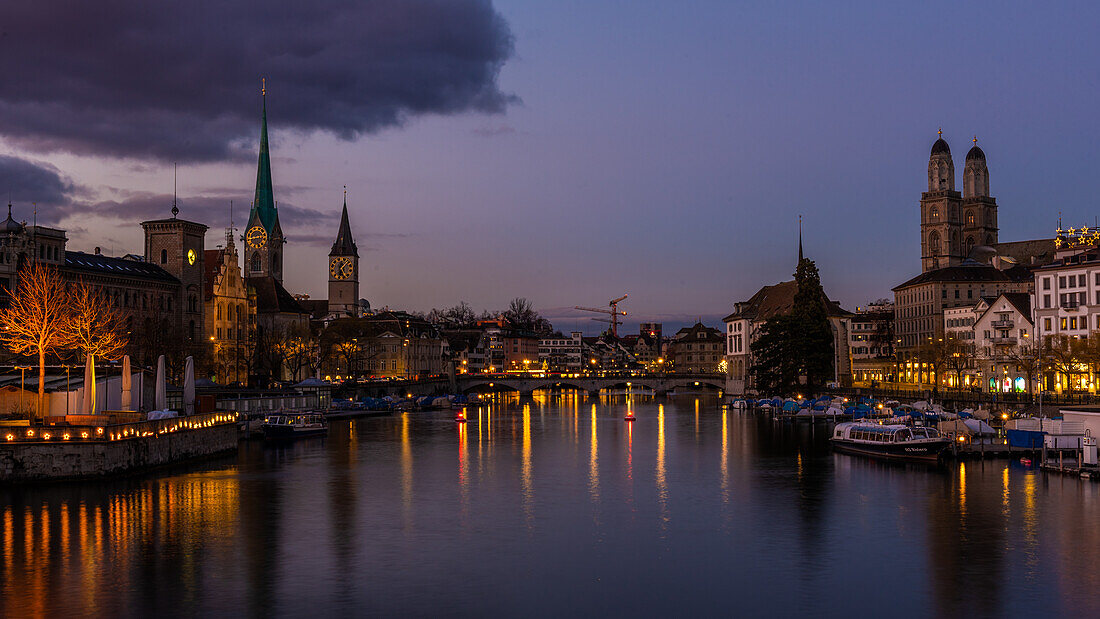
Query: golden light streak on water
724, 473
525, 475
660, 474
1005, 505
962, 490
594, 462
406, 474
9, 551
696, 417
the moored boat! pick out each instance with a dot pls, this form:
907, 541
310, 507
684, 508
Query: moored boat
889, 442
293, 425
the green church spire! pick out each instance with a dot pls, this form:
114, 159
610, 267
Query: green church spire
264, 203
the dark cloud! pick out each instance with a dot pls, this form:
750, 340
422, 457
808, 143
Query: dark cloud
180, 80
27, 181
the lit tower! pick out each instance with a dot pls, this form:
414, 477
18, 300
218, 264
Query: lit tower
940, 220
264, 236
979, 208
343, 269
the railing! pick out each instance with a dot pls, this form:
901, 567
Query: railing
1002, 324
896, 391
1003, 340
115, 432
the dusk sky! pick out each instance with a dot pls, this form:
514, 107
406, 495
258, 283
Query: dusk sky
567, 152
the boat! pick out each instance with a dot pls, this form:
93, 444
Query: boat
293, 425
889, 442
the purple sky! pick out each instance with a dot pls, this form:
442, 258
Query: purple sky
567, 152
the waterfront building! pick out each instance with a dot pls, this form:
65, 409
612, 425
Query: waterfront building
920, 303
558, 353
748, 317
1067, 301
467, 350
696, 349
647, 347
230, 313
606, 352
871, 343
152, 292
399, 345
1004, 343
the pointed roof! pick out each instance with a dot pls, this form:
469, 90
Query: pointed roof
799, 239
344, 245
263, 205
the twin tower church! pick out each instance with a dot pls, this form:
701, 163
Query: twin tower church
263, 251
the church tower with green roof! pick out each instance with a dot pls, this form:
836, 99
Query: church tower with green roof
264, 236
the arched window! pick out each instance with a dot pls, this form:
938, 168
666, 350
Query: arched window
256, 265
970, 218
934, 242
274, 263
969, 244
935, 213
164, 256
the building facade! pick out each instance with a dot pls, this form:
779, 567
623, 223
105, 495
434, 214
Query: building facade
744, 324
697, 349
558, 353
230, 314
871, 343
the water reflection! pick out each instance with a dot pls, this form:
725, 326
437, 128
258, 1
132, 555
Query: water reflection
399, 515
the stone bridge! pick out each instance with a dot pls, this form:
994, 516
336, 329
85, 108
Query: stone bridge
525, 385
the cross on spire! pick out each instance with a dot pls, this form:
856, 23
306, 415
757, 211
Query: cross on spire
940, 132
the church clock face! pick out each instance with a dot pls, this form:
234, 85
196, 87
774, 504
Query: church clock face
256, 237
340, 268
191, 256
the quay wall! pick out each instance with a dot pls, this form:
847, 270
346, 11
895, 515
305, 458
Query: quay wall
22, 462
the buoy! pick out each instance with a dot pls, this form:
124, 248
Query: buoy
629, 416
460, 417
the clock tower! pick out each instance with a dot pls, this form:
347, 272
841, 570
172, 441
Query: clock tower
177, 246
263, 237
343, 270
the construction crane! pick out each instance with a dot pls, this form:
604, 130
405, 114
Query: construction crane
613, 311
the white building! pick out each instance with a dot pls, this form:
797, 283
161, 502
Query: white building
1004, 343
562, 354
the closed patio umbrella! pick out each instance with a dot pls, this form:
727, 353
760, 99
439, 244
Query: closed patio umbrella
162, 390
127, 384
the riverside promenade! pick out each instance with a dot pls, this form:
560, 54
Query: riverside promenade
61, 452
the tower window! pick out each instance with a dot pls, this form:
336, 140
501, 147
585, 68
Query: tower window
164, 256
935, 214
970, 218
256, 264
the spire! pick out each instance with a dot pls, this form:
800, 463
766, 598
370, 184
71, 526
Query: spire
800, 239
344, 245
264, 203
175, 209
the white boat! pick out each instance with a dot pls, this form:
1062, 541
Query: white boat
889, 442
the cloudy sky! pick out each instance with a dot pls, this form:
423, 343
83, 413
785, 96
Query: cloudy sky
563, 151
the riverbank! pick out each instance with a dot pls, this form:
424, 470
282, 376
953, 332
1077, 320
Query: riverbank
63, 452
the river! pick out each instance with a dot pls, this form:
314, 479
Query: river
556, 506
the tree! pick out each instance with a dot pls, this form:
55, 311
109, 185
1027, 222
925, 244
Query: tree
37, 321
1061, 352
460, 316
795, 352
94, 328
520, 315
950, 354
813, 334
776, 368
1025, 355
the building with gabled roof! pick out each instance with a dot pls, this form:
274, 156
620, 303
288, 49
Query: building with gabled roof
748, 317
